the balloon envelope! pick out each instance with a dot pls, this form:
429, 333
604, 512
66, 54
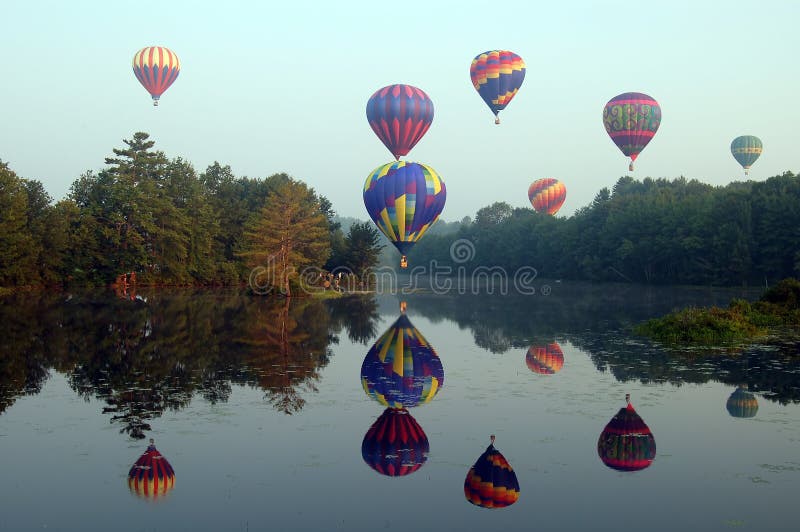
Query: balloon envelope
626, 443
156, 68
402, 370
547, 195
151, 476
742, 403
547, 359
399, 115
497, 75
631, 120
404, 199
395, 445
491, 482
746, 150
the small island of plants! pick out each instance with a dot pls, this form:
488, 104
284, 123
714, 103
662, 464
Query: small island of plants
777, 311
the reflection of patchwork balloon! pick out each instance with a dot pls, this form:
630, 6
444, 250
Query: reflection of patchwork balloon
399, 115
742, 403
395, 445
404, 199
546, 359
547, 195
626, 443
151, 476
402, 370
497, 75
746, 150
631, 120
156, 68
491, 482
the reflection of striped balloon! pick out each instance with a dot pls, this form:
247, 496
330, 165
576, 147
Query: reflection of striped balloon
547, 195
399, 115
746, 149
742, 403
404, 199
151, 475
497, 75
545, 359
631, 120
156, 68
491, 482
395, 445
402, 370
626, 443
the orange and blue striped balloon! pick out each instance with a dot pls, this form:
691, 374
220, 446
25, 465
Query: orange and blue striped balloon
547, 195
156, 68
497, 75
491, 482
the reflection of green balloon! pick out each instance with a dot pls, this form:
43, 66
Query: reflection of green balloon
742, 403
746, 149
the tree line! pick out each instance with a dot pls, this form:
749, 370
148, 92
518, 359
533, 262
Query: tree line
159, 220
660, 231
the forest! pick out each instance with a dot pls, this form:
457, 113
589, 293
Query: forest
170, 225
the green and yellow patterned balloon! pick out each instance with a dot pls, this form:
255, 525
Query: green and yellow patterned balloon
746, 149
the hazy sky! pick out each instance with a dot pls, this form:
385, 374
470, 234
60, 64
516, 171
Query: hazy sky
269, 87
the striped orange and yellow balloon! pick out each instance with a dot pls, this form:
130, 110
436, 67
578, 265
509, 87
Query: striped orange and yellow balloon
547, 195
156, 68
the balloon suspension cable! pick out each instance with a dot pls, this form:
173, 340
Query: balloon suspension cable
491, 437
628, 398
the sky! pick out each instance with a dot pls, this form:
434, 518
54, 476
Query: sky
269, 87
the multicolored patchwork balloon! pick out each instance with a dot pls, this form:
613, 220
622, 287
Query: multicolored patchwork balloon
497, 75
491, 482
404, 199
400, 115
151, 476
746, 150
742, 403
546, 360
156, 68
626, 443
395, 445
402, 370
631, 120
547, 195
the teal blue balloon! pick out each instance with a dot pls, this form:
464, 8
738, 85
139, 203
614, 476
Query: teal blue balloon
746, 150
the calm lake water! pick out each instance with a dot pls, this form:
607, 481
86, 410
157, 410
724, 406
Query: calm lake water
263, 414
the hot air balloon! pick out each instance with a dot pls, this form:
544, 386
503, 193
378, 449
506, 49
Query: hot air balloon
491, 482
497, 75
746, 150
547, 195
626, 443
156, 68
400, 115
404, 199
402, 370
631, 120
151, 476
395, 445
742, 403
546, 360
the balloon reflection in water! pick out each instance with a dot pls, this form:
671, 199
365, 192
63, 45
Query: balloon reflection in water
626, 443
546, 360
742, 403
402, 370
491, 482
395, 445
151, 476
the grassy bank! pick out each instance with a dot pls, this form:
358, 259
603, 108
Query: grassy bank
778, 308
